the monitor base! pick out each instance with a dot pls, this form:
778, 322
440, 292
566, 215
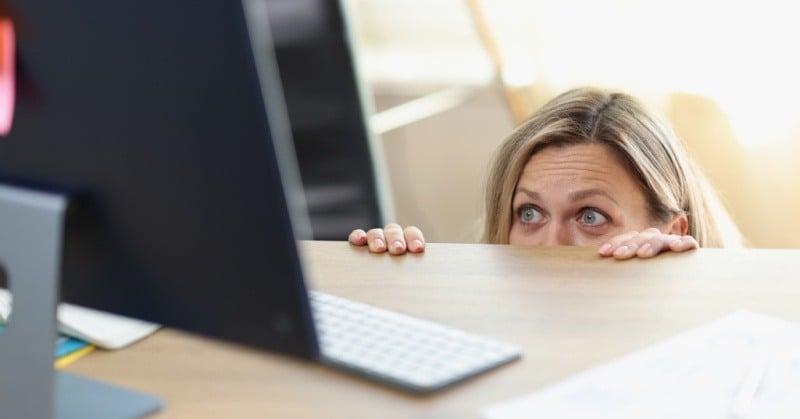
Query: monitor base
31, 242
83, 398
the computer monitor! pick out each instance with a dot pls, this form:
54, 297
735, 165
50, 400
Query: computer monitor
163, 124
340, 161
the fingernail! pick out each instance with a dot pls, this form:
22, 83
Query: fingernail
416, 245
397, 246
379, 244
646, 250
604, 249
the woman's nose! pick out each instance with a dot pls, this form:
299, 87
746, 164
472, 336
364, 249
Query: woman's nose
557, 235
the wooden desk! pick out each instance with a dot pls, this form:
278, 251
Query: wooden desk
567, 307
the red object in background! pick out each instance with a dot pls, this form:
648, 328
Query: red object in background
7, 43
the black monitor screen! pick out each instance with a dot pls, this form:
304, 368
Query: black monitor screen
327, 115
151, 115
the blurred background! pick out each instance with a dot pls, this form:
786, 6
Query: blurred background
447, 80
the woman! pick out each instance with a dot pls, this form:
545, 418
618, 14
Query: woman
591, 168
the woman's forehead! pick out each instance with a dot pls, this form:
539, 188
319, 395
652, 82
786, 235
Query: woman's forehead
590, 157
578, 166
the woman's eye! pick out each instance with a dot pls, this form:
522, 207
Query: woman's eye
529, 215
592, 217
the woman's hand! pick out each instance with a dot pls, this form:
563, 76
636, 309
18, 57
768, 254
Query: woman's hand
392, 238
646, 244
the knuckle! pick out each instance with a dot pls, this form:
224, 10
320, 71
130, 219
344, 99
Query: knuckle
623, 238
412, 231
393, 230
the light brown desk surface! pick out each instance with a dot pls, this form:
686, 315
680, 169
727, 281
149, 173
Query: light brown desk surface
567, 308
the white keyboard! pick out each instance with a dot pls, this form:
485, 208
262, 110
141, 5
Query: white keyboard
400, 350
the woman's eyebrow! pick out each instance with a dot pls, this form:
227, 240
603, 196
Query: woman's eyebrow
531, 194
573, 196
587, 193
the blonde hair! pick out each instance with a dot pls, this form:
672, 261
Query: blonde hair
669, 178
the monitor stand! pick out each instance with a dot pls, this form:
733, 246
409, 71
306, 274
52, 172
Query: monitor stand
31, 240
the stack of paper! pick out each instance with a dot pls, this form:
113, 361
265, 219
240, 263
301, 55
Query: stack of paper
68, 349
105, 330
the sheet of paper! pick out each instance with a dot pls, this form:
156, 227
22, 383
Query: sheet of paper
5, 305
693, 375
105, 330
